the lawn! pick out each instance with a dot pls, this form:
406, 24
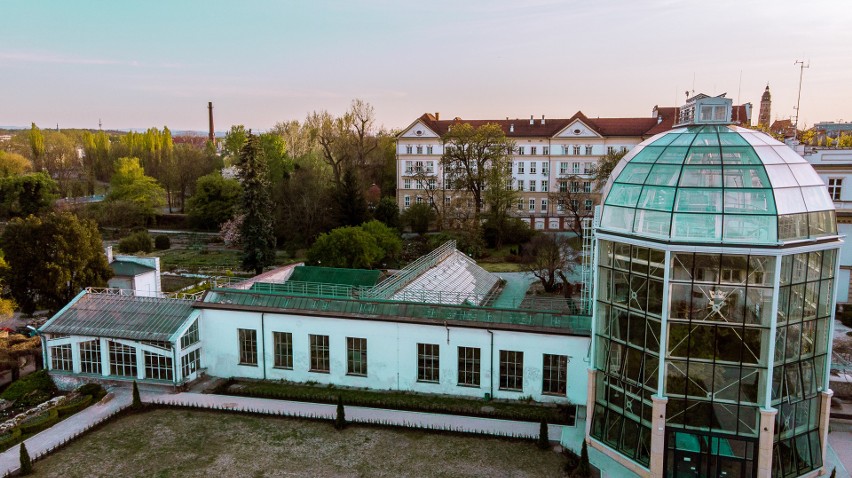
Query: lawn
191, 443
207, 259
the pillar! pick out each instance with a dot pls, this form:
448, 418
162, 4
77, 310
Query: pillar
658, 435
104, 357
764, 443
590, 399
824, 412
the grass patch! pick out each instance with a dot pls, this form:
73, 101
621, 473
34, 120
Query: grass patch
502, 266
190, 443
207, 259
510, 410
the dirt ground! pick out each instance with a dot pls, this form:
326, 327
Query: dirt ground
184, 443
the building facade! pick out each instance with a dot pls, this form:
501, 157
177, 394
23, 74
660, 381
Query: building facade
716, 277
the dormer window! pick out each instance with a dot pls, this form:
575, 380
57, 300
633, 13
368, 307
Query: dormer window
713, 113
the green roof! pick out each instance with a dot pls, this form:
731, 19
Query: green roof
575, 324
128, 268
334, 275
120, 316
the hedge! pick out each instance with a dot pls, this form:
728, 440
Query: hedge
40, 422
10, 438
24, 386
74, 406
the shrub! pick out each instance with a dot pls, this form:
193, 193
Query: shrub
37, 381
74, 405
162, 242
137, 400
42, 421
9, 438
340, 419
543, 441
94, 389
136, 242
26, 462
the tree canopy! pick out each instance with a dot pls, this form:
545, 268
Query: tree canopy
14, 164
129, 183
52, 258
257, 231
360, 247
21, 196
215, 201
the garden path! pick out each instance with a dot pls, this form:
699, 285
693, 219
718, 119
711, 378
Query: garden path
64, 430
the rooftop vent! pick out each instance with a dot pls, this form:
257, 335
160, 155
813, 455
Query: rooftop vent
512, 128
542, 120
532, 121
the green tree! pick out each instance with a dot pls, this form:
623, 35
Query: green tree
604, 168
26, 462
14, 164
340, 416
418, 217
215, 201
36, 141
137, 400
21, 196
387, 211
500, 197
129, 183
543, 441
350, 247
476, 159
258, 233
349, 198
233, 144
52, 258
583, 469
386, 238
96, 158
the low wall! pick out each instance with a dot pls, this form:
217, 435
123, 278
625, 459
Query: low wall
841, 384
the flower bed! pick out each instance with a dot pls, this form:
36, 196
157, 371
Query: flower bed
36, 423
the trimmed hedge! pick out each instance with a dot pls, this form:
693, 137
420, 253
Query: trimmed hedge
74, 406
36, 381
9, 439
94, 389
162, 242
40, 422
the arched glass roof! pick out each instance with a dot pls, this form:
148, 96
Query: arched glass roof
717, 184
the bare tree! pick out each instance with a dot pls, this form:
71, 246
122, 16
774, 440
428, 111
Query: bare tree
575, 197
549, 258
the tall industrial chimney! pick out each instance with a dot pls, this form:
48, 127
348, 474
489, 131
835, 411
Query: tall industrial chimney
211, 136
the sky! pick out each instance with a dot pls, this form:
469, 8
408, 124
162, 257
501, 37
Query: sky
134, 64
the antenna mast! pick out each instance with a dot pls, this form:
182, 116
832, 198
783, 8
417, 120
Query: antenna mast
802, 67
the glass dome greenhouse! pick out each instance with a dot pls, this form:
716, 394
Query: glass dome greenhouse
717, 184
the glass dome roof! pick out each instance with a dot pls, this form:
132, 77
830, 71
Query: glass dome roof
716, 184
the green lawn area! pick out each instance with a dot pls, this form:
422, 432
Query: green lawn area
194, 443
195, 259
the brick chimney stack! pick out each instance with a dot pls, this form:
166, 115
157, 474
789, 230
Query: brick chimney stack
211, 136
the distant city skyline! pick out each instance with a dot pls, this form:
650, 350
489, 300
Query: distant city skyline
137, 65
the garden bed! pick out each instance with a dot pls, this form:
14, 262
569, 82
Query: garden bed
504, 409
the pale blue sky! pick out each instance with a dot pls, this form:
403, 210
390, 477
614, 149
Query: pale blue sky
140, 64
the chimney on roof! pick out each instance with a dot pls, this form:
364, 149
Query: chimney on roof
542, 120
532, 121
211, 135
512, 128
659, 119
437, 115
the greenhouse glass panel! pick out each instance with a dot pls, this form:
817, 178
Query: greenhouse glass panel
739, 155
673, 155
657, 198
701, 177
753, 138
746, 177
805, 175
653, 223
618, 218
768, 155
699, 200
634, 173
706, 139
697, 227
663, 175
730, 138
754, 201
757, 229
817, 198
648, 154
684, 139
705, 155
789, 201
787, 154
623, 195
780, 176
792, 227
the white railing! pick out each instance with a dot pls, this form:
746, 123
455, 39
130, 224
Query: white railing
155, 295
393, 284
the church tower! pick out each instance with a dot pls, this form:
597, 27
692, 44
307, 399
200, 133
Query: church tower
765, 107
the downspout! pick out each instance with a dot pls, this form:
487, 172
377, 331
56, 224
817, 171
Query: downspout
491, 355
176, 367
263, 344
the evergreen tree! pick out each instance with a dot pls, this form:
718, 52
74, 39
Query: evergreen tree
137, 400
833, 473
257, 230
351, 205
543, 440
340, 419
26, 462
583, 469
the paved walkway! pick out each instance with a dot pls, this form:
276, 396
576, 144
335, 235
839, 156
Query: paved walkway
435, 421
64, 430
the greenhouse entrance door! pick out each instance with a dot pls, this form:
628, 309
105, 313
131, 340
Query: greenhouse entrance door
696, 455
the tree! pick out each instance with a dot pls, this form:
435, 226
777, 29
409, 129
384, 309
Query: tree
21, 196
340, 416
186, 164
52, 258
215, 201
387, 211
543, 441
331, 134
548, 257
36, 141
386, 238
583, 469
258, 234
233, 144
349, 198
26, 462
500, 197
418, 217
14, 164
574, 194
137, 400
349, 247
604, 167
474, 157
96, 159
129, 183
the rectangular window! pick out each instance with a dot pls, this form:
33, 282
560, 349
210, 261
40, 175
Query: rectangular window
563, 168
469, 366
60, 358
419, 149
430, 165
520, 185
532, 205
428, 149
532, 185
511, 370
521, 150
533, 150
835, 186
588, 205
90, 357
158, 367
520, 167
588, 150
575, 168
319, 353
419, 199
409, 167
610, 150
587, 186
560, 206
191, 362
406, 202
520, 204
565, 149
122, 360
544, 205
544, 186
554, 375
408, 149
356, 356
190, 337
587, 168
623, 149
545, 168
248, 346
406, 183
575, 204
576, 149
532, 167
563, 186
575, 186
545, 150
282, 349
418, 165
428, 363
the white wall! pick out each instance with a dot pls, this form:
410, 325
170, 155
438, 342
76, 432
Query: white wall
391, 353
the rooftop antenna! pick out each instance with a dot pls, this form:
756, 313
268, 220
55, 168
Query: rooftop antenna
100, 125
739, 89
802, 67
